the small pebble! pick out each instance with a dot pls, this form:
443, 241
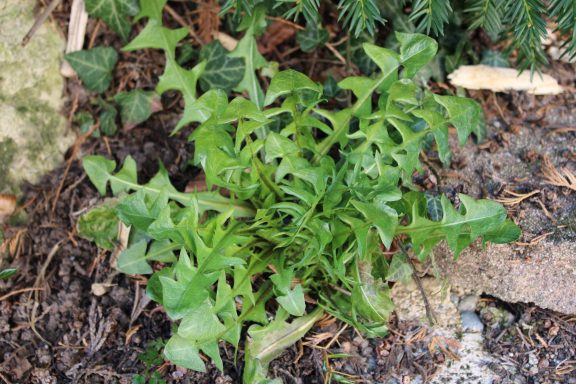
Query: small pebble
471, 323
468, 303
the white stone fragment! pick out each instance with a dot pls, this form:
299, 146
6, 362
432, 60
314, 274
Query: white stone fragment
503, 80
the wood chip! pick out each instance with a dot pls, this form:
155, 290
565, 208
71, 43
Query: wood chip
76, 34
227, 41
503, 80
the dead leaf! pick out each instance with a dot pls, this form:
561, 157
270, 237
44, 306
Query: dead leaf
503, 80
131, 332
277, 33
7, 206
207, 18
100, 289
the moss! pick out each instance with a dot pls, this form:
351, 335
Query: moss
30, 98
7, 152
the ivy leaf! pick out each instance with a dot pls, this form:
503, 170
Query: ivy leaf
312, 37
137, 106
94, 66
154, 35
151, 9
399, 269
115, 13
287, 82
7, 273
107, 119
100, 225
434, 207
494, 59
221, 71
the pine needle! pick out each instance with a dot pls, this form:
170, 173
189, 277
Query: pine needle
515, 198
559, 177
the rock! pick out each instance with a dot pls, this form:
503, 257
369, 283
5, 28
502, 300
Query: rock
473, 366
503, 80
32, 129
409, 305
468, 303
471, 323
541, 267
542, 276
496, 317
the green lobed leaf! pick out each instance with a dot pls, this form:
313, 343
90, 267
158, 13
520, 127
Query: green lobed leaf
266, 343
132, 260
137, 106
151, 9
293, 301
221, 71
100, 225
312, 37
460, 228
184, 353
94, 66
107, 119
416, 51
115, 13
287, 82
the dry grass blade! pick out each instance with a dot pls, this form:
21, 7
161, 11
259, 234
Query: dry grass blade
559, 177
515, 198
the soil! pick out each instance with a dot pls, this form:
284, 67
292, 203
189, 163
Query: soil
57, 326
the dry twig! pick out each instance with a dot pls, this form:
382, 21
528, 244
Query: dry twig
40, 20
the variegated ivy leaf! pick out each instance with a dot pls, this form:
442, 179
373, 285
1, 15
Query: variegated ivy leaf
137, 106
222, 71
115, 13
94, 66
312, 37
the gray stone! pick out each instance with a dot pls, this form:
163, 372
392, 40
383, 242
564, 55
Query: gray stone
409, 305
473, 364
468, 303
471, 322
542, 272
32, 130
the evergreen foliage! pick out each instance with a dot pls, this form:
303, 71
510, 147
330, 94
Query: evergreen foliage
523, 21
